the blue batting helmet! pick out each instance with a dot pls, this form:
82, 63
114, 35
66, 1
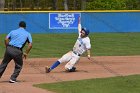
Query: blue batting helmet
86, 31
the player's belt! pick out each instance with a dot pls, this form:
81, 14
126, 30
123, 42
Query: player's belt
14, 47
76, 53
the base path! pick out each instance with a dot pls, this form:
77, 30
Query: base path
33, 72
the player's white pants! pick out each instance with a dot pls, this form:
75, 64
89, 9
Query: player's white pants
71, 58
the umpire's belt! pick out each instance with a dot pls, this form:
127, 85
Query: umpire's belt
15, 47
76, 53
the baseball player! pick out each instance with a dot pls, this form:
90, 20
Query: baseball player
15, 41
72, 57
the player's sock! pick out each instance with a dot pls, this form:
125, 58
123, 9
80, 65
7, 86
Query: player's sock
54, 65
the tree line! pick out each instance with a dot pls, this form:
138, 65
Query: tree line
12, 5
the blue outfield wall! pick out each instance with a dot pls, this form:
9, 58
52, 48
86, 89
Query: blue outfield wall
39, 22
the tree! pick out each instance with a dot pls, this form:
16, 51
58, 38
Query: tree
65, 5
74, 4
2, 3
106, 5
83, 6
135, 4
55, 4
70, 4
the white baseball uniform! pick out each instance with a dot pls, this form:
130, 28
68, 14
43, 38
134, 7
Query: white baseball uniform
72, 57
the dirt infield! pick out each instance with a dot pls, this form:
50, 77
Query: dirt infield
33, 72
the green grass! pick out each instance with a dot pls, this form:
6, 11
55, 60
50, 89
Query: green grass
114, 44
128, 84
103, 44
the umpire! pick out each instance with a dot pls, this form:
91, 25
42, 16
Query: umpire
15, 41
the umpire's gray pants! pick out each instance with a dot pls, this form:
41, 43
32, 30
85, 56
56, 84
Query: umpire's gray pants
16, 55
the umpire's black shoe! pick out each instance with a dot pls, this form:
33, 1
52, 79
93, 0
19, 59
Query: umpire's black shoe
12, 81
72, 70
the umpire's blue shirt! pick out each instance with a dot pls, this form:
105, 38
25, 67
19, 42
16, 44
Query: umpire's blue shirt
19, 37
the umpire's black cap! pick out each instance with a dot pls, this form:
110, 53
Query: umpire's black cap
22, 24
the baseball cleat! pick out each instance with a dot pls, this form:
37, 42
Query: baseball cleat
73, 69
12, 81
47, 69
